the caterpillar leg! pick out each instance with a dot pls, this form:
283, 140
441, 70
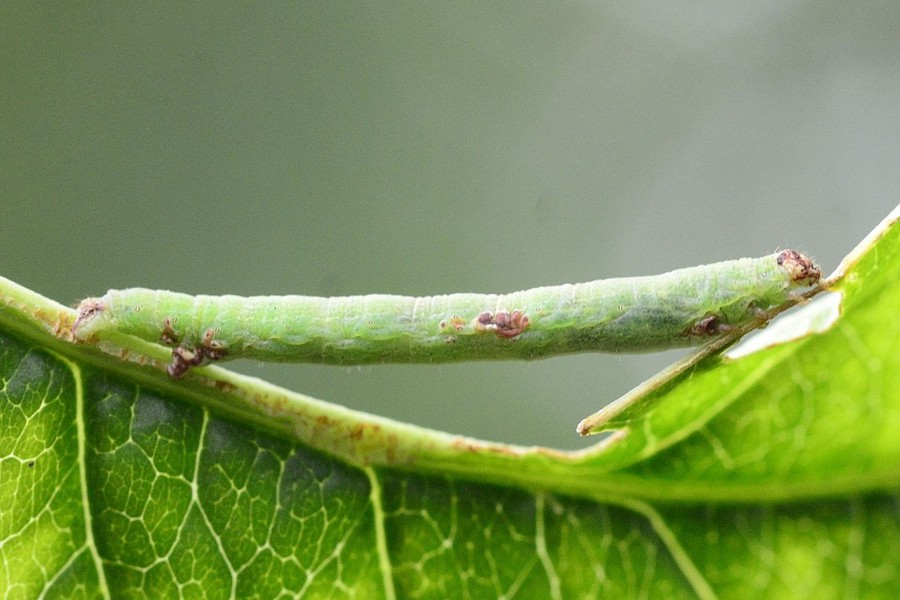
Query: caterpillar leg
708, 326
185, 358
182, 360
169, 336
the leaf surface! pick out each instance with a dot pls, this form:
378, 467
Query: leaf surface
772, 469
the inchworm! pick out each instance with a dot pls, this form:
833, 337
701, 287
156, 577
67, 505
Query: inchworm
635, 314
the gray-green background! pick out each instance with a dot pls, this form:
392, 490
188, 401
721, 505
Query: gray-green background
420, 148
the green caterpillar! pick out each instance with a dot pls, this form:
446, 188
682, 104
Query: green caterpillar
636, 314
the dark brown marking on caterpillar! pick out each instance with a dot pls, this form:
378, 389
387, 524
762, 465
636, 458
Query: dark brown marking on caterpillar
213, 349
504, 324
168, 336
88, 310
708, 326
184, 358
800, 267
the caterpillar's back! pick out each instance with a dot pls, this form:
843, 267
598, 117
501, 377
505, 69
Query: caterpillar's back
635, 314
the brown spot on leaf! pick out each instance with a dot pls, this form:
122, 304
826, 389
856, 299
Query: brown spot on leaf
357, 432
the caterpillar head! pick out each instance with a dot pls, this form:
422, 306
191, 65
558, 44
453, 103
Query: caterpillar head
802, 270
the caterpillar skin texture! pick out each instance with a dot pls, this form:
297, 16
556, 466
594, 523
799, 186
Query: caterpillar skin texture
635, 314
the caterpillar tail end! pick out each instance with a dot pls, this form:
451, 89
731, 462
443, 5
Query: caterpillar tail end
87, 323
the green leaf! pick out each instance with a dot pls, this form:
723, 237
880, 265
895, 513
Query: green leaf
771, 470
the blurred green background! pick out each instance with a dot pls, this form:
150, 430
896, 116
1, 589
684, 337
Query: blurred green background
422, 148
